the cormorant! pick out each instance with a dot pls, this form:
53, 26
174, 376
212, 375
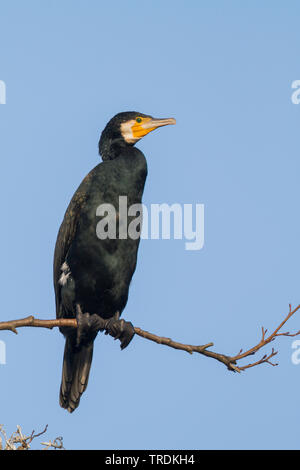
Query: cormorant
92, 275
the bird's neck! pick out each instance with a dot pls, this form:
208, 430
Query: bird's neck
110, 149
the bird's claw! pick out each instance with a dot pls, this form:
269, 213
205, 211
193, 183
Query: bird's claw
120, 329
87, 326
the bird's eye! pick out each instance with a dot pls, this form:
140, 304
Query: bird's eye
139, 120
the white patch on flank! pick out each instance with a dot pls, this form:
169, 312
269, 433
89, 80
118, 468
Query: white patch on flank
65, 274
126, 132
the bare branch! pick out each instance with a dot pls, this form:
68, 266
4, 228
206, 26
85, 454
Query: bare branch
266, 340
56, 444
19, 441
229, 361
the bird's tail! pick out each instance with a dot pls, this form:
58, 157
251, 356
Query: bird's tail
75, 373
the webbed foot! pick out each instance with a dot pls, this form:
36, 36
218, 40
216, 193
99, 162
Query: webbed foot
88, 326
120, 329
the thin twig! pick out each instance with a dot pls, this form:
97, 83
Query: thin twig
266, 340
19, 441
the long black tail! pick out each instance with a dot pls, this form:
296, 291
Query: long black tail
75, 373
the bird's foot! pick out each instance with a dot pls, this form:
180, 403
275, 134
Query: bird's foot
120, 329
88, 326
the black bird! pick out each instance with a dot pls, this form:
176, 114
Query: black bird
91, 273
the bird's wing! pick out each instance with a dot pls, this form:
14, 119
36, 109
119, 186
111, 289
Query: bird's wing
65, 237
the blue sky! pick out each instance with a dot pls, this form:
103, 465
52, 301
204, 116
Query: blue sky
224, 70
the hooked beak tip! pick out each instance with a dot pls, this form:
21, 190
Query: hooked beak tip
162, 122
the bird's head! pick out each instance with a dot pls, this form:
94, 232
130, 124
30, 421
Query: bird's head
126, 129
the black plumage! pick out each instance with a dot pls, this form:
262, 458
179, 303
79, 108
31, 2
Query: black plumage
92, 275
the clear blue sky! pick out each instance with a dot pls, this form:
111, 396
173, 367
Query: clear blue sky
224, 70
